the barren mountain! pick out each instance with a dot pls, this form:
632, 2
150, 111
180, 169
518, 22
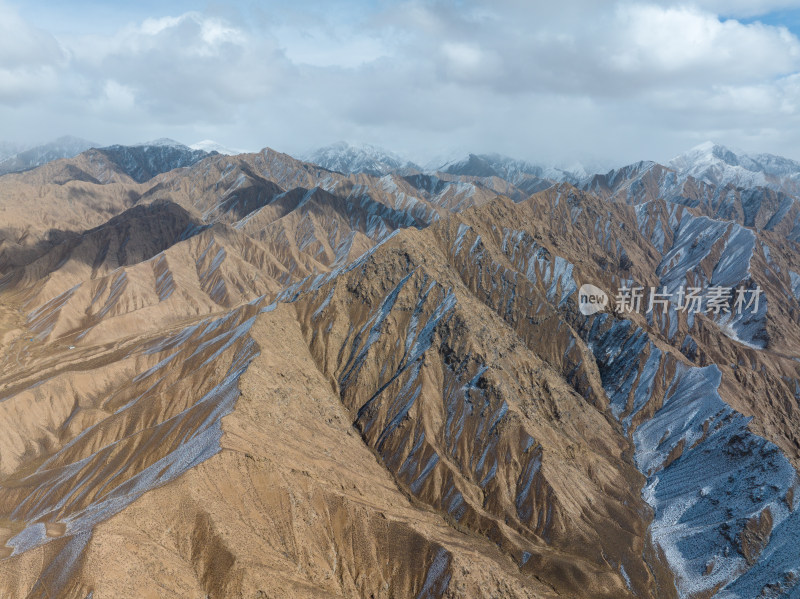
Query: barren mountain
252, 376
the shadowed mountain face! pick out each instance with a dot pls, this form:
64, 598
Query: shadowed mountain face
143, 162
252, 376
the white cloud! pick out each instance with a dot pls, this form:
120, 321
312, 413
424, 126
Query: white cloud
29, 59
22, 45
628, 80
326, 48
190, 34
463, 57
682, 40
156, 26
22, 85
743, 8
116, 97
189, 68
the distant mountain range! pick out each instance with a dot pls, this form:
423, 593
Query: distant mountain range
348, 158
22, 159
708, 162
15, 158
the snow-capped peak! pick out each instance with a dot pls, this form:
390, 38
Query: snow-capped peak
718, 165
357, 158
703, 155
208, 145
161, 142
707, 147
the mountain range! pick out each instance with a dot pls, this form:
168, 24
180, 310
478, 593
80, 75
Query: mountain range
16, 158
251, 375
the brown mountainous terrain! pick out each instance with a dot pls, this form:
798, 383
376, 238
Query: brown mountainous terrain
250, 376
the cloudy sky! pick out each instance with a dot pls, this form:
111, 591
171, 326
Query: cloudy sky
552, 82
